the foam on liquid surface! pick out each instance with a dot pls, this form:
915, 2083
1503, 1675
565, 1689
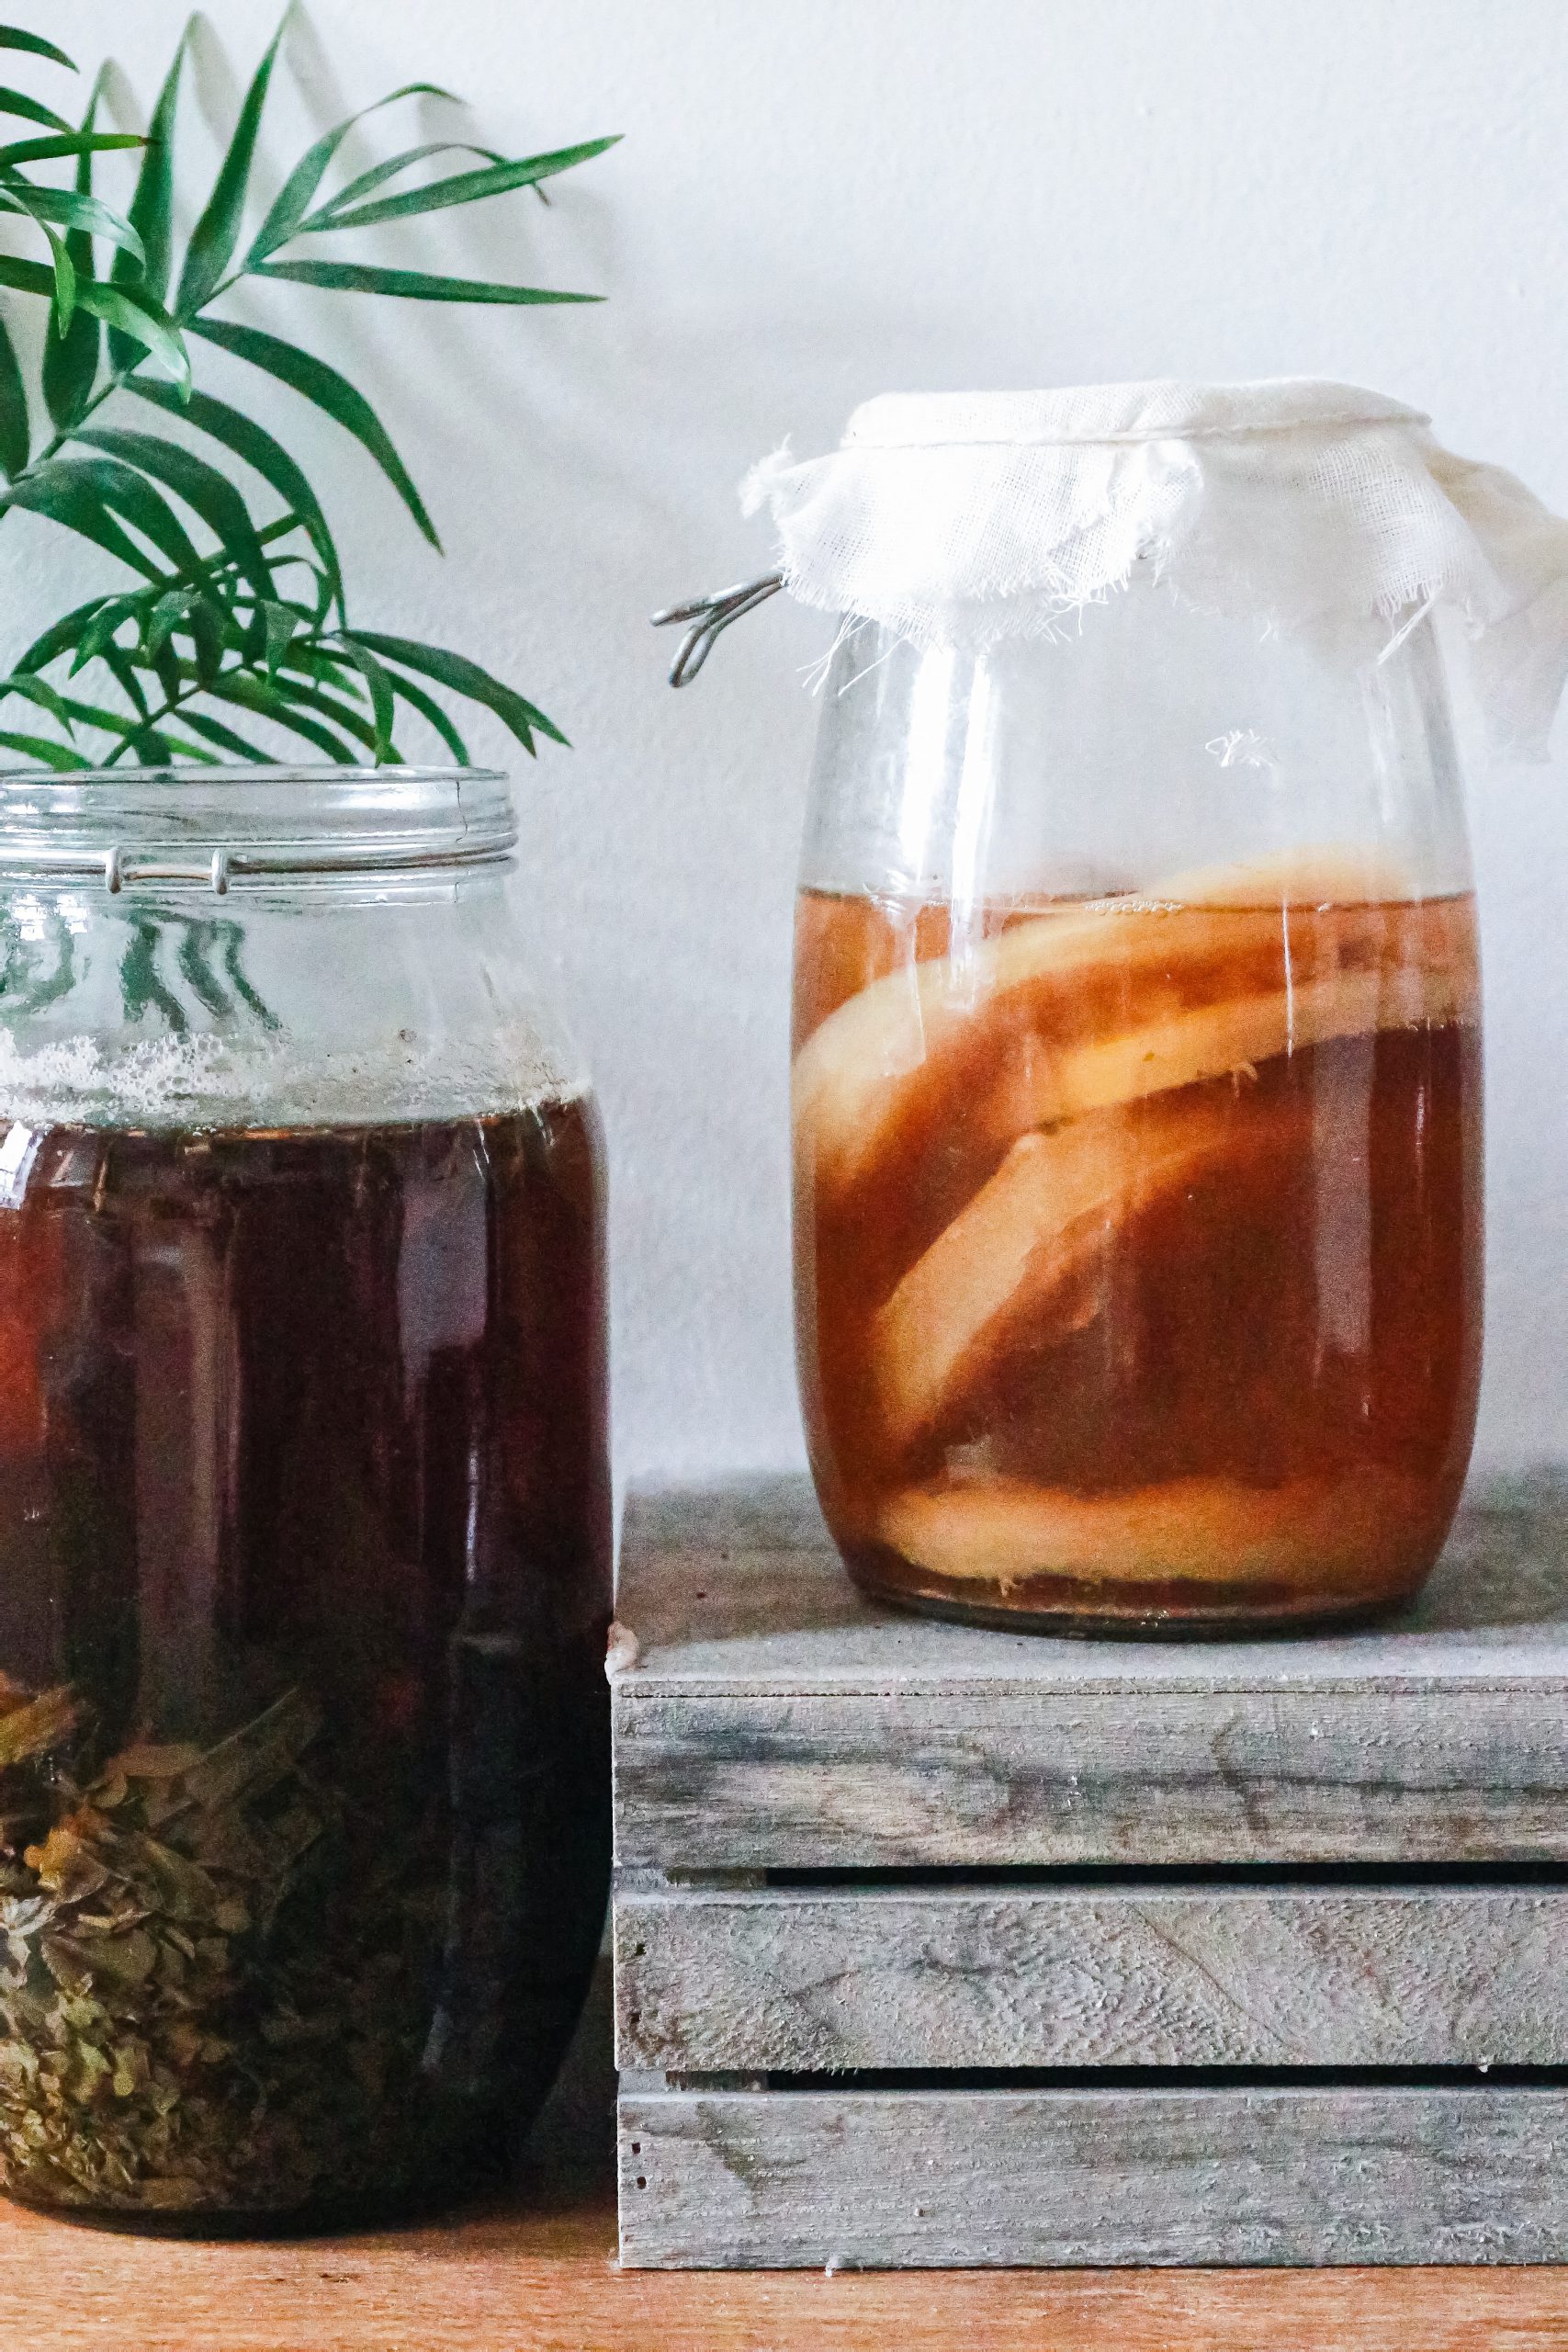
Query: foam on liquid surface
207, 1080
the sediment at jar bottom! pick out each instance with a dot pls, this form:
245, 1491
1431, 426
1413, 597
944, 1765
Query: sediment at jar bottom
1138, 1247
303, 1737
209, 2004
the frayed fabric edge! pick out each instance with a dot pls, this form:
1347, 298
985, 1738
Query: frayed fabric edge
1052, 620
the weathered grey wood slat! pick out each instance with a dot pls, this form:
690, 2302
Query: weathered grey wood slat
807, 1980
960, 1779
789, 2180
772, 1718
767, 1717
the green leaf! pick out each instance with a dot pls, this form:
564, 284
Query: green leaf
68, 142
207, 492
176, 747
68, 709
156, 751
464, 677
259, 450
53, 755
67, 495
410, 284
153, 207
381, 701
73, 212
17, 102
38, 691
124, 670
281, 625
322, 588
303, 373
467, 188
164, 618
213, 239
170, 672
70, 362
304, 658
26, 277
117, 487
192, 960
379, 173
14, 432
290, 204
71, 368
201, 723
141, 318
62, 634
64, 284
209, 627
267, 701
145, 321
97, 638
430, 710
13, 36
97, 642
90, 628
292, 201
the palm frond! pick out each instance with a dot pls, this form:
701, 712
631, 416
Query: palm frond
221, 608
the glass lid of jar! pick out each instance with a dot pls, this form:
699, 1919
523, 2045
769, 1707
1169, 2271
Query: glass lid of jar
212, 826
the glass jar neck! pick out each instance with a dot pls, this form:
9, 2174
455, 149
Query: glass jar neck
213, 828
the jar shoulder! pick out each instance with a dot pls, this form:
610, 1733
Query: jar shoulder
279, 1008
1148, 741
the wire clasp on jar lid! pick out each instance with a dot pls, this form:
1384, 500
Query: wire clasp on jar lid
120, 869
709, 617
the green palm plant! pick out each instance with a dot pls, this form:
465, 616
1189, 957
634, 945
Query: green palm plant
221, 615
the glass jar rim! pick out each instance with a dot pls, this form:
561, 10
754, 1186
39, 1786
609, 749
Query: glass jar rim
208, 826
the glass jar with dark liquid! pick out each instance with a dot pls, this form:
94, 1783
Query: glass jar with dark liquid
304, 1499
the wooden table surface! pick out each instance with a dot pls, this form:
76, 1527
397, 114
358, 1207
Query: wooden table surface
539, 2274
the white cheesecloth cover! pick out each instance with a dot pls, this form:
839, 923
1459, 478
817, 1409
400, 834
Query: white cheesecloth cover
963, 519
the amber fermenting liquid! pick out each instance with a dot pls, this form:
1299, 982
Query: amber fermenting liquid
1138, 1252
309, 1421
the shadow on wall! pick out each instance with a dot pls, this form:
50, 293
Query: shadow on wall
581, 465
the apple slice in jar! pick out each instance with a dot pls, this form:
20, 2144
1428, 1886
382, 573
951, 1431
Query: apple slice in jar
1216, 1040
896, 1057
1310, 1533
922, 1039
1008, 1261
1148, 1120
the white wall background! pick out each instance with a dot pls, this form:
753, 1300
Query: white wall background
814, 203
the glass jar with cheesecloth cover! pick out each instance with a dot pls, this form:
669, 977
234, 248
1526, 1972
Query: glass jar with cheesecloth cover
1137, 1118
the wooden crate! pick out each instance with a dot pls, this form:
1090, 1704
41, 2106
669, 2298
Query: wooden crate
936, 1945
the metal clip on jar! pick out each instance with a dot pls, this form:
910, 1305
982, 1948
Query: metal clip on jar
1137, 1063
303, 1497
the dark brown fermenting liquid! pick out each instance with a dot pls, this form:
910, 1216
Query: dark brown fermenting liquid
304, 1539
1138, 1252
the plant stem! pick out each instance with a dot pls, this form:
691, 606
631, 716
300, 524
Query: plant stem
52, 448
169, 709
